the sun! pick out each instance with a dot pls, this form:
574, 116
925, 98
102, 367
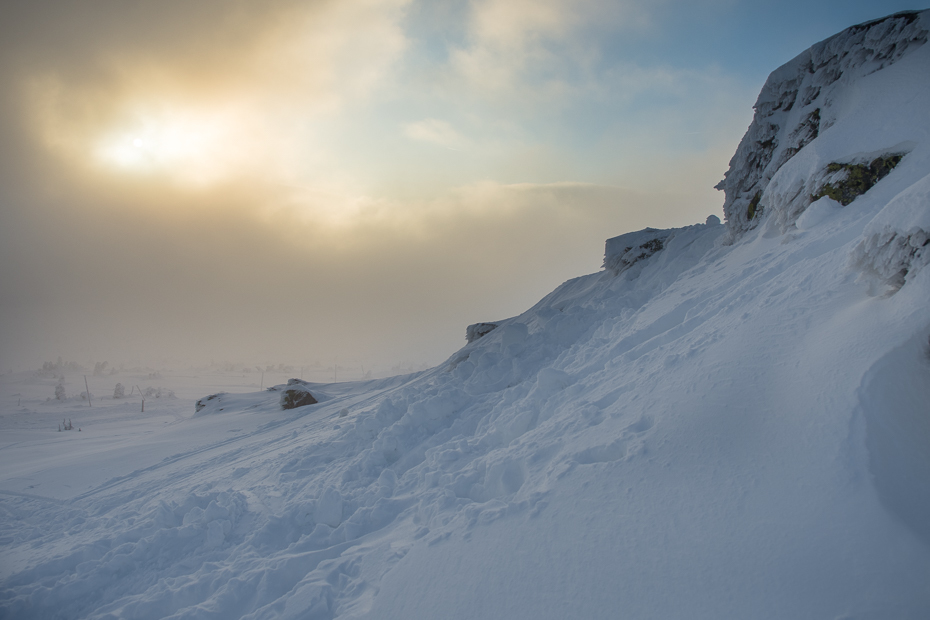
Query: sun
188, 146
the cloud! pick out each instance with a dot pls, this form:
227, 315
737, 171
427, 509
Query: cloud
232, 181
545, 46
183, 102
435, 131
219, 280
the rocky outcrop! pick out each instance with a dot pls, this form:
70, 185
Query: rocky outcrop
212, 399
477, 330
620, 253
296, 394
800, 102
624, 251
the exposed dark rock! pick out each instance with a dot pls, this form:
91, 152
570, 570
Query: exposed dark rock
200, 404
296, 395
754, 209
478, 330
857, 180
624, 251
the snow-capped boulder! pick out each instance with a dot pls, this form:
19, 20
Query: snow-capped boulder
209, 402
296, 394
621, 252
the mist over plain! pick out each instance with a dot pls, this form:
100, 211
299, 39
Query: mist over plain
355, 180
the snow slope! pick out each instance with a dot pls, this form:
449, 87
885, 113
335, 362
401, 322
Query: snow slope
734, 424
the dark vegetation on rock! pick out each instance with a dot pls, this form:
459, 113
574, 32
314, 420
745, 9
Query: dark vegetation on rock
753, 209
859, 178
650, 247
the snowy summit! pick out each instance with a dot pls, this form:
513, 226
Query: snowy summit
731, 420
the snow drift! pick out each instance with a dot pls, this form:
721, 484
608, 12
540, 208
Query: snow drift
728, 421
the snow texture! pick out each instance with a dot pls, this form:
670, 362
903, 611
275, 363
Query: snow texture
725, 422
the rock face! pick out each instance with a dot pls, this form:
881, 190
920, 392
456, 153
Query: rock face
799, 103
477, 330
296, 394
620, 253
201, 404
624, 251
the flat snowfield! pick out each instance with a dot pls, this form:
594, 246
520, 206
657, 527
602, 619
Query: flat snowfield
730, 421
111, 437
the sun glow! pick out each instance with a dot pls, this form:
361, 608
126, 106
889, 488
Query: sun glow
196, 148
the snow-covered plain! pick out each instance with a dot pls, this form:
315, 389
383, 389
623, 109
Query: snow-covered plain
734, 425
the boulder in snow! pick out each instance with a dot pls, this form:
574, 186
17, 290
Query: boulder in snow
296, 394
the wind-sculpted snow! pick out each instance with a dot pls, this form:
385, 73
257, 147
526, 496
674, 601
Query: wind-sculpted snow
898, 435
803, 101
711, 427
897, 242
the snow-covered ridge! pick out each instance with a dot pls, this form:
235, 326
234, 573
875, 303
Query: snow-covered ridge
621, 254
799, 108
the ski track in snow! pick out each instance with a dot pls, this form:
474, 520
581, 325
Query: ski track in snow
735, 425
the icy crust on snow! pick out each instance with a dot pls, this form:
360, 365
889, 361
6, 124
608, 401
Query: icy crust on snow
800, 106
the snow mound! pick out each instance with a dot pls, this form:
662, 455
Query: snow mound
894, 400
897, 242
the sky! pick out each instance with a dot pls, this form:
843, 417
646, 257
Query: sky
356, 180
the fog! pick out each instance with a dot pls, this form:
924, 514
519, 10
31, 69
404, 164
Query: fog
298, 182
